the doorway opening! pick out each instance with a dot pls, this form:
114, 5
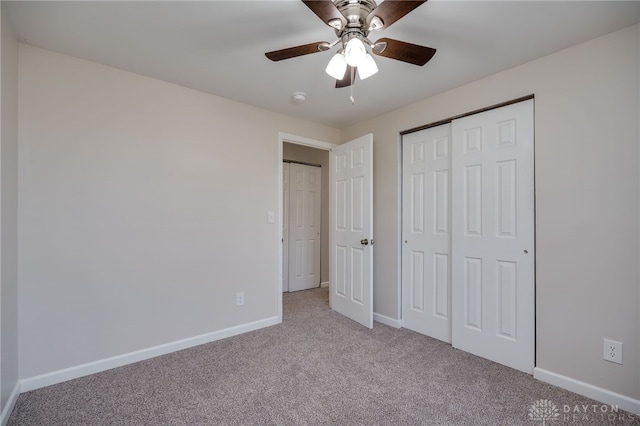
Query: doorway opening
296, 148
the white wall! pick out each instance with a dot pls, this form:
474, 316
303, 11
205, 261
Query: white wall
141, 205
587, 195
8, 216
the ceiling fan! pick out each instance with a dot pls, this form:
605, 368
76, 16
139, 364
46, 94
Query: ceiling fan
352, 21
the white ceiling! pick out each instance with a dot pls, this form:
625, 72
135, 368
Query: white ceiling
218, 46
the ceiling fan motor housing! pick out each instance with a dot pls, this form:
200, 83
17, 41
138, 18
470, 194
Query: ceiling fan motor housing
356, 13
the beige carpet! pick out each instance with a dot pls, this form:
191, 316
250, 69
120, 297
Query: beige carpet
316, 368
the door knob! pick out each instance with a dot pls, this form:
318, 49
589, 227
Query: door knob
364, 242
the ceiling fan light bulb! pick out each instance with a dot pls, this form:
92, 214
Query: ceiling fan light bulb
355, 52
337, 66
367, 68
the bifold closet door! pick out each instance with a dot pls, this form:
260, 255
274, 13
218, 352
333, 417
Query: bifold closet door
493, 235
426, 282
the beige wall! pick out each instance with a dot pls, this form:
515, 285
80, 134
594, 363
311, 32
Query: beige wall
134, 207
587, 194
306, 154
141, 205
8, 213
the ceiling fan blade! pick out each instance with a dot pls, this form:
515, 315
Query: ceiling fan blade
405, 52
328, 12
292, 52
347, 80
392, 10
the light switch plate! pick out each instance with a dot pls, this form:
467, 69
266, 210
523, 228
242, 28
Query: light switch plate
271, 216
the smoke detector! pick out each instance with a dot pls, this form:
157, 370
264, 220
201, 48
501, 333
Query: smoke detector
299, 97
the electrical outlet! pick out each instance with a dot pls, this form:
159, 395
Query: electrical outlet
612, 351
240, 298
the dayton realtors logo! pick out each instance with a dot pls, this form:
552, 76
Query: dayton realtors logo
543, 410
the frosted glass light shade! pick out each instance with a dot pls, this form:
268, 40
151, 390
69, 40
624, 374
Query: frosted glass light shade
355, 52
367, 68
337, 66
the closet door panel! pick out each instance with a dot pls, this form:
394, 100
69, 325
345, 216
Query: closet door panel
426, 194
493, 282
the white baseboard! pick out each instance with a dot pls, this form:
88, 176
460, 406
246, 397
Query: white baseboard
590, 391
387, 321
60, 376
11, 402
324, 284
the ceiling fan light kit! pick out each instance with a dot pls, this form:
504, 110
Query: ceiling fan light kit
367, 68
337, 66
352, 20
354, 52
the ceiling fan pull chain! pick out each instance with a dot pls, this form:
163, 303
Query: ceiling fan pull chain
351, 98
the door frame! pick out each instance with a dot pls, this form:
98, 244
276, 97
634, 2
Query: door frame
297, 140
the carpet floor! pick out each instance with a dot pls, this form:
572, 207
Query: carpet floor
316, 368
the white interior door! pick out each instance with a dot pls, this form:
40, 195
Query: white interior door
304, 227
493, 235
426, 260
351, 224
285, 227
